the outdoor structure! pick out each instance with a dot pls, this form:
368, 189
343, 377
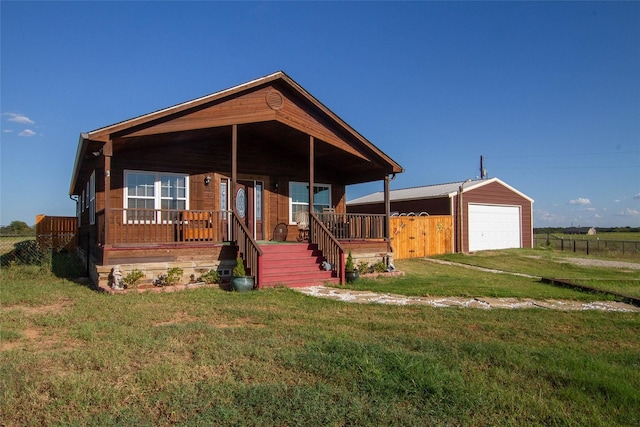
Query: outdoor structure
590, 231
486, 214
225, 175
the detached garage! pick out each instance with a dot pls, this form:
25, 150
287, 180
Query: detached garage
494, 214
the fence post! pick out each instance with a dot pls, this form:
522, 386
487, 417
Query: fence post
587, 247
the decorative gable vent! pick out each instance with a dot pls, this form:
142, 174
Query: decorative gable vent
275, 101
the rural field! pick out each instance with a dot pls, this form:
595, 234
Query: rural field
72, 356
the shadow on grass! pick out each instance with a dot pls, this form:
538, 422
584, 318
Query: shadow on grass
63, 264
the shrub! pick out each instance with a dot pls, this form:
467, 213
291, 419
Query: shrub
380, 267
363, 267
238, 270
173, 276
131, 280
211, 276
349, 267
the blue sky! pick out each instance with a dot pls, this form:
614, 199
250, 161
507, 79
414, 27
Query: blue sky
548, 92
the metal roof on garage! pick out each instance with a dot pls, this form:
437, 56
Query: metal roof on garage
429, 191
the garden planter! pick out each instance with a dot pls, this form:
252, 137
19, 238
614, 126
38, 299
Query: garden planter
242, 284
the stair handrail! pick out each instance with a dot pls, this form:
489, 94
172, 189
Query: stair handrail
247, 246
331, 248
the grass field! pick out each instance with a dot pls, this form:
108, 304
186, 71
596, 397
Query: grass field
71, 356
423, 278
7, 243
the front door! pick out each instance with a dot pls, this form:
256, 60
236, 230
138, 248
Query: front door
249, 206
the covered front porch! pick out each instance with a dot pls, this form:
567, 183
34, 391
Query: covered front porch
213, 239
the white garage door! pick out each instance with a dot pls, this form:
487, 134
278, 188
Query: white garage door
493, 227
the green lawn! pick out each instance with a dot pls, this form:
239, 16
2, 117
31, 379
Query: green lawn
554, 264
424, 277
71, 356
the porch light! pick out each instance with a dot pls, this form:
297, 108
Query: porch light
207, 180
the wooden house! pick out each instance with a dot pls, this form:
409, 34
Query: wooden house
486, 213
231, 173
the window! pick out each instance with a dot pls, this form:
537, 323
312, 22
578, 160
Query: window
299, 198
92, 198
155, 196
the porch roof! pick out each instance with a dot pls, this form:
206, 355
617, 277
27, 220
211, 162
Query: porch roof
354, 158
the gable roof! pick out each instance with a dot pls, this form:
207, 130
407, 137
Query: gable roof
430, 192
92, 141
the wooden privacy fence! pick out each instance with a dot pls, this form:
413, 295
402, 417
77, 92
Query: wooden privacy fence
56, 232
420, 236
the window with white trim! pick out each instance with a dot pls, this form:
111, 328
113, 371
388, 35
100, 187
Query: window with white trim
155, 196
92, 198
299, 198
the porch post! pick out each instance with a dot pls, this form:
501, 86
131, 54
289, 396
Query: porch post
387, 208
234, 165
107, 151
311, 182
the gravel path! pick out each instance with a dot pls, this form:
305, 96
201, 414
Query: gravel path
487, 303
604, 263
347, 295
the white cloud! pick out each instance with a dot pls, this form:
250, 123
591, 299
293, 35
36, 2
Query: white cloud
590, 209
580, 201
637, 196
19, 118
7, 130
27, 132
628, 212
546, 216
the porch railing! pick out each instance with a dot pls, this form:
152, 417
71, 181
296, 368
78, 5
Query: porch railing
354, 226
247, 247
328, 244
164, 226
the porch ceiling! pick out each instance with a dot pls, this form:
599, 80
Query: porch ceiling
290, 144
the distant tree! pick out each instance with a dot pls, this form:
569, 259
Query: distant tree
20, 228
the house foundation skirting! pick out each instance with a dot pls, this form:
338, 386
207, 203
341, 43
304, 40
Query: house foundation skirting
154, 261
99, 274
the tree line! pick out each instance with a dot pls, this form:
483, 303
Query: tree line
18, 228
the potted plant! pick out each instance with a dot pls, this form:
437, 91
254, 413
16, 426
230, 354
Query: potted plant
241, 282
351, 274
